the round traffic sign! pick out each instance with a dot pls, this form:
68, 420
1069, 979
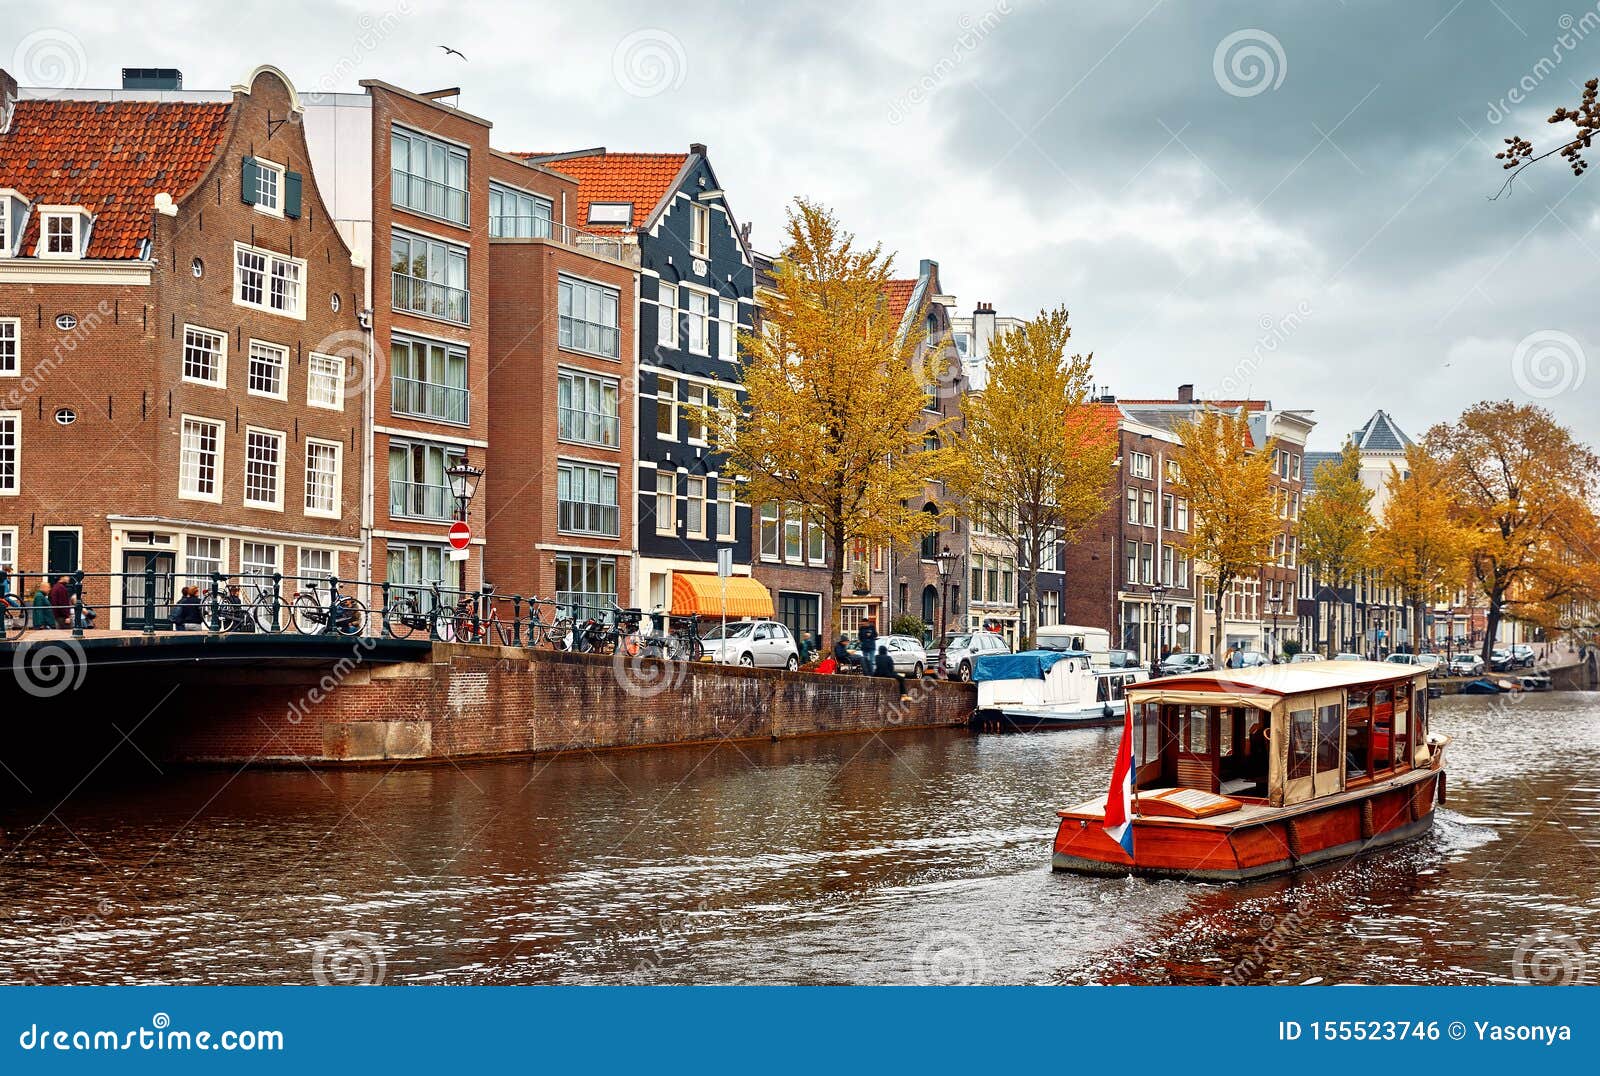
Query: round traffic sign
460, 535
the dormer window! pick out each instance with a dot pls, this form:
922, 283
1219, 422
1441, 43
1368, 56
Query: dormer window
618, 214
63, 231
13, 219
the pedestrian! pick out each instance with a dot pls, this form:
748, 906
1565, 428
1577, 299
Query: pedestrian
187, 611
5, 579
884, 666
841, 655
867, 636
43, 616
804, 645
61, 602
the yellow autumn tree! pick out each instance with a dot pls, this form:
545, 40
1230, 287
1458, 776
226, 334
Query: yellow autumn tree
1522, 486
831, 413
1228, 482
1038, 452
1336, 522
1420, 543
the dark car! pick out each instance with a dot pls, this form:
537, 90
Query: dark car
1179, 664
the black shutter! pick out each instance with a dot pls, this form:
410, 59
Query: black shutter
291, 195
247, 181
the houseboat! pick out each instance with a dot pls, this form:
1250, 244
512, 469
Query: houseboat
1039, 689
1252, 772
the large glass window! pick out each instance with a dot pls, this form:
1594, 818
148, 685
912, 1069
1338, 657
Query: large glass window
666, 502
586, 408
769, 530
415, 564
698, 315
267, 281
204, 355
586, 499
202, 557
325, 381
666, 315
263, 468
418, 485
587, 317
322, 477
585, 586
200, 455
515, 214
727, 329
428, 175
429, 277
429, 380
1302, 742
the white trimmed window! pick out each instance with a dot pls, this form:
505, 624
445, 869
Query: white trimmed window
694, 423
263, 468
322, 477
727, 329
694, 502
269, 187
666, 502
200, 459
667, 408
205, 356
10, 347
267, 281
8, 545
201, 557
725, 505
700, 231
699, 313
325, 381
258, 560
768, 529
667, 315
63, 233
266, 377
318, 563
10, 451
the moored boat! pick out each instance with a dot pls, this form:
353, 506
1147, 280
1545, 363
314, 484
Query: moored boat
1247, 773
1040, 689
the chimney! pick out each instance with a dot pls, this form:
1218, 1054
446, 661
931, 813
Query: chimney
1186, 394
698, 148
152, 78
982, 329
8, 99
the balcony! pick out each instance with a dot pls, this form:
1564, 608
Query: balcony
584, 517
418, 500
588, 428
604, 246
417, 296
428, 196
424, 399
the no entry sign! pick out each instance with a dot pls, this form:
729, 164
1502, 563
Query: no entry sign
460, 535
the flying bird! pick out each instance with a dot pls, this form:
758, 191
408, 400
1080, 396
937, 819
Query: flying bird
448, 51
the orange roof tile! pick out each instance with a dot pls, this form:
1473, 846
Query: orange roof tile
640, 178
898, 292
112, 158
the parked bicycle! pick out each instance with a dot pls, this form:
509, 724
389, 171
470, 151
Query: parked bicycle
14, 614
536, 631
344, 613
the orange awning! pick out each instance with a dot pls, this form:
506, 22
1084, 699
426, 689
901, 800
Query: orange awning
693, 592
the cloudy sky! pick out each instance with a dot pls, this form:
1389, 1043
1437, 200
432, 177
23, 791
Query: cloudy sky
1286, 199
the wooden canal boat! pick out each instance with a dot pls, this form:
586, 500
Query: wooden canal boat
1252, 772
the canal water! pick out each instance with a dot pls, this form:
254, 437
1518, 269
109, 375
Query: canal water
919, 857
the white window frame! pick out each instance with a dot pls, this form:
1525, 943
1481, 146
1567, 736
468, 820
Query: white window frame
283, 370
277, 172
11, 223
80, 220
336, 373
727, 330
667, 524
699, 230
661, 380
8, 546
258, 579
338, 479
705, 399
271, 261
667, 316
221, 435
701, 318
305, 573
727, 509
13, 486
11, 333
276, 504
693, 501
220, 362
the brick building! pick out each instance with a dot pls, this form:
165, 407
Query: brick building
177, 312
562, 417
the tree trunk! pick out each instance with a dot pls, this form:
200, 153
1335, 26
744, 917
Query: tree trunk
836, 584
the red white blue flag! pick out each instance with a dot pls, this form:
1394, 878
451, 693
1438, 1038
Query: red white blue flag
1118, 823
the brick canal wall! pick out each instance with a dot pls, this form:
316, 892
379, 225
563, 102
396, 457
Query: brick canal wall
476, 701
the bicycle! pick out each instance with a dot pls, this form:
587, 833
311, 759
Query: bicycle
404, 615
344, 613
536, 632
686, 644
15, 616
266, 611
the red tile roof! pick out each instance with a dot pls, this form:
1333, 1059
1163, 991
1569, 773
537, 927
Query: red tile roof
112, 158
898, 292
640, 178
1248, 405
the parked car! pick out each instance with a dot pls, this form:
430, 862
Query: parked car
752, 643
1345, 655
1182, 663
1403, 659
1466, 665
1500, 660
1524, 656
910, 658
1305, 656
1250, 659
962, 648
1122, 659
1432, 662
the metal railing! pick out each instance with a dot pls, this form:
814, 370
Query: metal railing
428, 196
426, 399
419, 500
418, 296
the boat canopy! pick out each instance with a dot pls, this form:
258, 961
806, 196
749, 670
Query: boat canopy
1026, 665
1263, 686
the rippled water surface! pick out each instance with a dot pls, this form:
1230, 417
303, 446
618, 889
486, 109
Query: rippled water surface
920, 857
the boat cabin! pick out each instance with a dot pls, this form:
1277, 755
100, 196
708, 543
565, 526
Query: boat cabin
1280, 734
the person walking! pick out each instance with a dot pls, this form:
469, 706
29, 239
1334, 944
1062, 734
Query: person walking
61, 602
187, 612
43, 615
804, 646
867, 636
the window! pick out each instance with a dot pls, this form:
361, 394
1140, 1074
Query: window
769, 531
1132, 553
428, 175
1141, 465
429, 277
816, 544
1183, 514
200, 458
699, 311
419, 564
322, 477
1168, 565
263, 466
667, 315
258, 561
694, 501
694, 422
726, 500
585, 585
666, 408
202, 557
269, 187
617, 214
515, 214
10, 347
1149, 499
586, 499
586, 409
1147, 563
429, 380
1133, 505
418, 485
1166, 511
266, 373
267, 281
793, 533
587, 317
318, 563
205, 356
7, 233
325, 381
666, 502
60, 234
727, 329
10, 453
700, 231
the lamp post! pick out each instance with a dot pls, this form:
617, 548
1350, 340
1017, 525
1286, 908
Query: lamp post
1158, 592
943, 560
1274, 608
463, 484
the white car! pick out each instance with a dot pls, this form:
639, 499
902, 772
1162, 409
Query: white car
910, 658
764, 644
962, 648
1466, 665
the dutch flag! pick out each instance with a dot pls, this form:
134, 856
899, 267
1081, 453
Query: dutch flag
1118, 823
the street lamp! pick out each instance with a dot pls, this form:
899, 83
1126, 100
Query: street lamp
1157, 592
1274, 608
943, 560
463, 484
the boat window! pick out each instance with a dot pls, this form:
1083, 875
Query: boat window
1358, 700
1302, 742
1402, 739
1328, 722
1380, 697
1196, 730
1358, 743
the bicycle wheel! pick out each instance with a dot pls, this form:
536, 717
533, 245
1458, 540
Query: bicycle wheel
306, 615
270, 613
444, 624
559, 634
350, 616
401, 616
16, 618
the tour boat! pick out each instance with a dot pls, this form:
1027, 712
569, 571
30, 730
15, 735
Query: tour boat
1038, 689
1252, 772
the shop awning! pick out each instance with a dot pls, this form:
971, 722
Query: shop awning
693, 592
